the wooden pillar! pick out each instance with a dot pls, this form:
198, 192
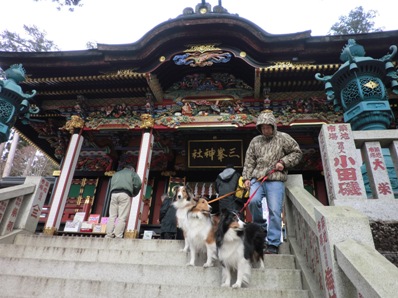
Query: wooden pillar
63, 184
144, 161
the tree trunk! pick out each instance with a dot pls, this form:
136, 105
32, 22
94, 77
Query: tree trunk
11, 154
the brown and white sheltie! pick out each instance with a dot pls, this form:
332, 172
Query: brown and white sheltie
201, 233
239, 246
183, 202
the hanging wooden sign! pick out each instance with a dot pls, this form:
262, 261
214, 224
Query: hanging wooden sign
215, 153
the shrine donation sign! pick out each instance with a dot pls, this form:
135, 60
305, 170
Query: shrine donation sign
340, 163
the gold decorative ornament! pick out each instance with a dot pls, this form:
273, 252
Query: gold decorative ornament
202, 48
168, 173
88, 200
203, 10
147, 121
126, 72
131, 234
371, 85
288, 64
162, 58
49, 231
74, 123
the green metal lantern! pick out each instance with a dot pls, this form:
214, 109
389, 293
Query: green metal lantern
359, 87
13, 101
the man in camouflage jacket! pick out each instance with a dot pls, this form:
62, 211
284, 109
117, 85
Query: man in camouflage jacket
272, 150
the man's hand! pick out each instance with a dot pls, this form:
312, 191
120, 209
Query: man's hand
279, 166
247, 184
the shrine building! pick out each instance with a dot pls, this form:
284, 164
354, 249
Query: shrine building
179, 105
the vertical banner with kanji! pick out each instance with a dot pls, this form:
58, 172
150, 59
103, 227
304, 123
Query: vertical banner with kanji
32, 205
326, 258
377, 170
10, 215
340, 163
3, 207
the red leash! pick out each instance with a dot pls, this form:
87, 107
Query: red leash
252, 195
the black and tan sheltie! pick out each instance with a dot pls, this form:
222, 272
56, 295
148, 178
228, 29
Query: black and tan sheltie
239, 246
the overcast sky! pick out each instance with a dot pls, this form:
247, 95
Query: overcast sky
126, 21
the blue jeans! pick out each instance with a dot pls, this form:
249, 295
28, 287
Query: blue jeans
274, 191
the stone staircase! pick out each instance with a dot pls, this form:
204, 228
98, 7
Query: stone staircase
42, 266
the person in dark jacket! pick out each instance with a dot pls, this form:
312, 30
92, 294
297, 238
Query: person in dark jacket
125, 184
226, 182
167, 218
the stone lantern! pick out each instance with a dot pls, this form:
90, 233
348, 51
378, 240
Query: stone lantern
13, 101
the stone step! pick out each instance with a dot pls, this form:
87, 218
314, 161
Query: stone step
29, 286
144, 274
166, 258
108, 244
38, 265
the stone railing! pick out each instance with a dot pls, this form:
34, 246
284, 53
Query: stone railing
334, 245
334, 248
382, 208
20, 207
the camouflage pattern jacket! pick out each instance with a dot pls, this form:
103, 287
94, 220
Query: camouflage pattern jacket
265, 151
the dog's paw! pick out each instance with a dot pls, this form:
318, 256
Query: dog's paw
207, 265
236, 286
190, 264
225, 285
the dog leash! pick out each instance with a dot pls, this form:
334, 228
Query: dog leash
232, 192
222, 197
252, 195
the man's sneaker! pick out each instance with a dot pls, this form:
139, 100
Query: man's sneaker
271, 250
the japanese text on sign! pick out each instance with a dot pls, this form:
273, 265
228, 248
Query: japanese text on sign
344, 164
214, 153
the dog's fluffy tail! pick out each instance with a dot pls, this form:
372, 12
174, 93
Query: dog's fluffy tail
254, 242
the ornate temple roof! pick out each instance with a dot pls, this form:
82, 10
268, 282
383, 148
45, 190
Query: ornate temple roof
196, 44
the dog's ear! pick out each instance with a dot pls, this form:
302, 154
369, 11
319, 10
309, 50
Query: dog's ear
190, 193
216, 219
224, 212
219, 234
174, 190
